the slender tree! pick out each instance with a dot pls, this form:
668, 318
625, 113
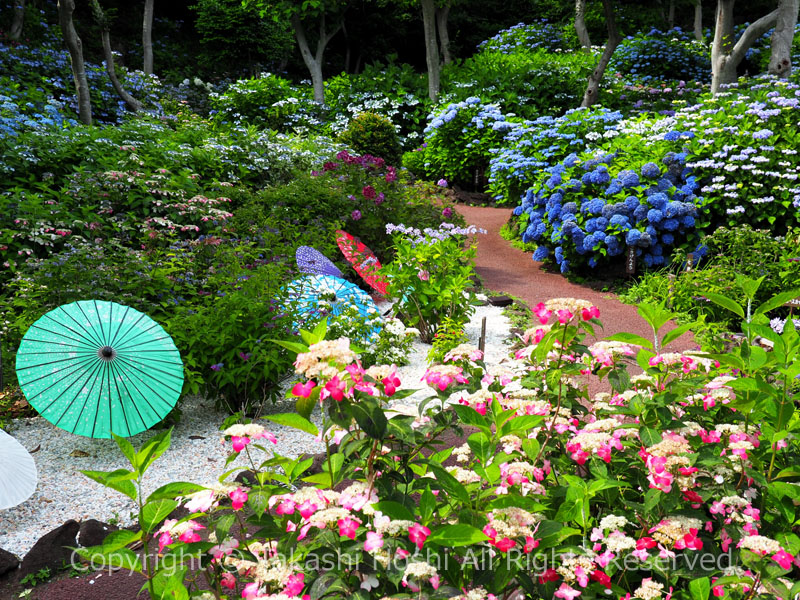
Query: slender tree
580, 25
324, 17
105, 26
698, 20
431, 47
147, 37
73, 42
780, 62
614, 39
442, 15
19, 20
727, 54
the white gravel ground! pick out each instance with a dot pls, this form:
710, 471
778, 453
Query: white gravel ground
64, 493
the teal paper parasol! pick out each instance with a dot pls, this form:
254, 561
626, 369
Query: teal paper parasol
94, 367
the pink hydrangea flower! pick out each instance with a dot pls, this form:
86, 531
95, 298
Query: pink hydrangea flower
374, 541
418, 533
238, 498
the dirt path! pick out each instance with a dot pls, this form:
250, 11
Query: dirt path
506, 269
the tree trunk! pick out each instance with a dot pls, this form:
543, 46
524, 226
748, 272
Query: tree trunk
725, 54
442, 15
19, 20
431, 47
132, 102
314, 61
698, 20
73, 42
147, 37
671, 17
614, 39
780, 62
580, 25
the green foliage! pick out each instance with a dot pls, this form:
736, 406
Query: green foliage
267, 100
527, 83
429, 276
371, 133
720, 258
449, 335
34, 579
233, 38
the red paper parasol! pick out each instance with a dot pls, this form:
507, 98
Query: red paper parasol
363, 260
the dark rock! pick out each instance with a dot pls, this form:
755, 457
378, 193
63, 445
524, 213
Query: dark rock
500, 301
247, 478
8, 562
52, 550
93, 532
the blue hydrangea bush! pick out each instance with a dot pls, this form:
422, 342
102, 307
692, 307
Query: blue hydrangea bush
459, 139
521, 36
663, 56
589, 208
536, 145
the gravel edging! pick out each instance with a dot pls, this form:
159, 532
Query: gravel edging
196, 454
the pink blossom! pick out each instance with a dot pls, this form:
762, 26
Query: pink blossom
335, 388
567, 592
239, 442
348, 527
374, 541
238, 498
303, 389
226, 548
435, 582
307, 509
164, 539
418, 533
530, 544
201, 501
590, 313
423, 275
294, 584
504, 545
286, 507
250, 591
784, 559
390, 384
228, 581
564, 316
540, 310
604, 558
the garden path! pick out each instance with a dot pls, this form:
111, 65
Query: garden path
506, 269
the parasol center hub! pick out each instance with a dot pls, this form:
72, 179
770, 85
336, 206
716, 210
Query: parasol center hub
107, 353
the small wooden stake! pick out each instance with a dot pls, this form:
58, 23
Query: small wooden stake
482, 339
630, 261
689, 262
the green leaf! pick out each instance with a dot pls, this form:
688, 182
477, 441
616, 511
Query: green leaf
777, 301
481, 446
174, 588
371, 418
395, 510
294, 421
649, 437
154, 512
175, 489
123, 558
450, 484
152, 449
699, 589
470, 416
119, 480
127, 449
118, 539
427, 506
725, 303
452, 536
676, 333
320, 330
630, 338
305, 406
295, 347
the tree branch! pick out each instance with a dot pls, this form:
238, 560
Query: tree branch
751, 34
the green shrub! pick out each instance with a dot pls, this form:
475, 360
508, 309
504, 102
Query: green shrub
267, 100
528, 83
371, 133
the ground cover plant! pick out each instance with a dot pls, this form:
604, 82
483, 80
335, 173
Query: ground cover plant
677, 482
